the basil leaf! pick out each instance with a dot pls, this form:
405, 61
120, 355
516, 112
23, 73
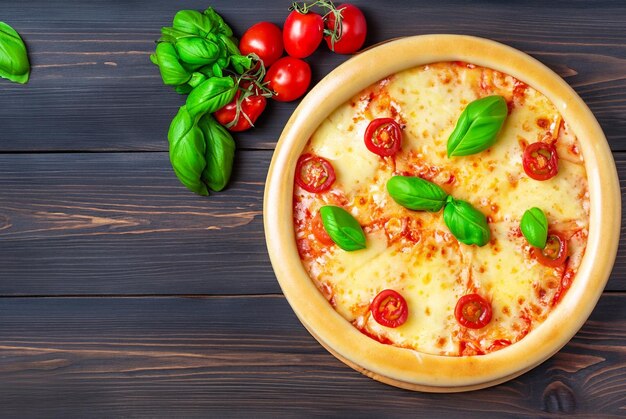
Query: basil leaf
192, 22
187, 151
342, 228
466, 223
220, 153
416, 193
534, 226
183, 89
217, 22
14, 64
211, 95
172, 71
478, 126
197, 51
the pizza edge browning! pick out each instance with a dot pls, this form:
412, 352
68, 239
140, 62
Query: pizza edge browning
425, 238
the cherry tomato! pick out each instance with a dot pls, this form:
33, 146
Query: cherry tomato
383, 136
302, 33
320, 233
265, 40
473, 311
250, 108
289, 77
540, 161
350, 30
555, 251
314, 173
389, 308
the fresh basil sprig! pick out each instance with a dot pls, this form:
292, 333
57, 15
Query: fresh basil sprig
534, 226
416, 193
342, 228
468, 224
14, 64
478, 126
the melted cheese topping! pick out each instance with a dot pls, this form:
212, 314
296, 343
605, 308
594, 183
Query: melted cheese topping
413, 252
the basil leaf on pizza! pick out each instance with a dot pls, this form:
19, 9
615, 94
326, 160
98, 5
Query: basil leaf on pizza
415, 193
466, 223
534, 226
478, 126
342, 228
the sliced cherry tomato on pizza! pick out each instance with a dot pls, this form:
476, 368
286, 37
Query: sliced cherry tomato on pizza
347, 28
554, 253
289, 78
389, 308
314, 173
320, 233
302, 32
241, 114
540, 161
265, 40
383, 136
473, 311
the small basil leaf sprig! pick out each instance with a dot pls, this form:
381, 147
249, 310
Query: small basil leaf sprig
14, 64
534, 226
465, 222
468, 224
415, 193
342, 228
201, 152
478, 126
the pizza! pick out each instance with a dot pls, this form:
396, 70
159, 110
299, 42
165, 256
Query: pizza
444, 209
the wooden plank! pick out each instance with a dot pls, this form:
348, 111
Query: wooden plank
93, 87
250, 355
120, 223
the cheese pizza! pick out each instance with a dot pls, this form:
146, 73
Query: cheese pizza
443, 209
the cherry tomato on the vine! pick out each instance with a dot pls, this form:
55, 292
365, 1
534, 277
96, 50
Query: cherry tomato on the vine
554, 253
473, 311
250, 108
289, 78
302, 33
389, 308
265, 40
314, 173
349, 32
383, 136
540, 161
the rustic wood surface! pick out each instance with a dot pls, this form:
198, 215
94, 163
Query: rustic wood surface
122, 294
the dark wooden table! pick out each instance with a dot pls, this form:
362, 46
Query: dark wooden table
123, 294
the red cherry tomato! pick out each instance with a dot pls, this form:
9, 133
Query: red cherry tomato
289, 77
250, 109
314, 173
263, 39
383, 136
302, 33
389, 308
320, 233
555, 251
351, 30
540, 161
473, 311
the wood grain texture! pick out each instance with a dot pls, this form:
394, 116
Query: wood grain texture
246, 355
93, 87
120, 223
